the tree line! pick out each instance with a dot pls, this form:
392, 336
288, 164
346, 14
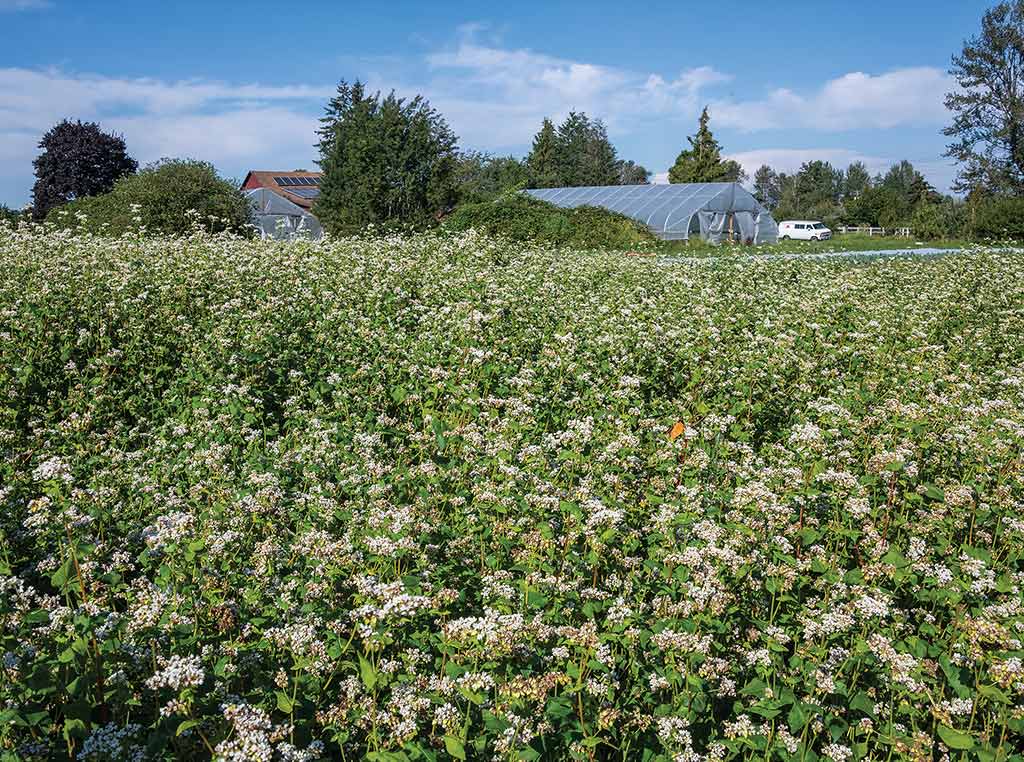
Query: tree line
901, 197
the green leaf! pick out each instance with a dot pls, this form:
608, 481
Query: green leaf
284, 703
185, 726
862, 702
954, 739
74, 727
754, 688
992, 692
60, 577
367, 673
455, 747
797, 718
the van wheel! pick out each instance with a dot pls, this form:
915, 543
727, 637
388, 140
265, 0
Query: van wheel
814, 238
785, 238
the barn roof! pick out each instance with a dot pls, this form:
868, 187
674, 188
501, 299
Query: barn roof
298, 186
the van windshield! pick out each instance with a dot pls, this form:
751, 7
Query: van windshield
819, 226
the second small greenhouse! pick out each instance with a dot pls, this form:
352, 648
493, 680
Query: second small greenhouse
715, 212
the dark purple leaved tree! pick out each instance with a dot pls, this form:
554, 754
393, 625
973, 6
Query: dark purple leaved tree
78, 159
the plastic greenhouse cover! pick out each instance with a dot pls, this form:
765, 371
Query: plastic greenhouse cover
668, 210
277, 217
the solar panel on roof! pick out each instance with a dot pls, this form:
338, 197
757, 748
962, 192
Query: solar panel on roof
280, 181
305, 192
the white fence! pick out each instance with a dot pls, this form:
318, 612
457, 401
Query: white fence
897, 232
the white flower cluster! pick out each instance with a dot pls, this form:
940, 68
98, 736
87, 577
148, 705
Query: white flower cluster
168, 529
52, 469
112, 742
178, 672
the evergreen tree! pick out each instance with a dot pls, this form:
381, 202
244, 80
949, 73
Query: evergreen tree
767, 186
858, 180
818, 185
385, 162
584, 155
78, 160
340, 107
702, 162
542, 163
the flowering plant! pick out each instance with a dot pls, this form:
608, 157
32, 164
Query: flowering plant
448, 497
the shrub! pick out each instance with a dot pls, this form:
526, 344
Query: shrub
170, 197
932, 221
521, 218
1000, 217
12, 216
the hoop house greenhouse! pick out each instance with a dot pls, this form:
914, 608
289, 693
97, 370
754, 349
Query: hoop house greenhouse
277, 217
713, 211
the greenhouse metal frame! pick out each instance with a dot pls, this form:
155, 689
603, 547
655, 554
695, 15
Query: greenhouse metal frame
714, 211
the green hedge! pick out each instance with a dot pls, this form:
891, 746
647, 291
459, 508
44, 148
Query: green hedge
521, 218
999, 218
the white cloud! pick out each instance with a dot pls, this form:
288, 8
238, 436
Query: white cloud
940, 173
497, 97
236, 127
788, 160
13, 6
899, 98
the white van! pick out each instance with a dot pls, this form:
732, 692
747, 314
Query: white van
804, 230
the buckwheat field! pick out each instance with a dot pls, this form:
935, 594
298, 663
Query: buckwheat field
445, 497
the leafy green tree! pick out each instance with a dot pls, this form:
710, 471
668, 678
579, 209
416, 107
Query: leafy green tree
542, 163
988, 104
584, 155
631, 173
702, 162
767, 186
482, 177
78, 159
170, 197
385, 161
873, 206
944, 219
858, 180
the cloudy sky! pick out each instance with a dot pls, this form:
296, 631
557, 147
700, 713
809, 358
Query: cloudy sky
241, 84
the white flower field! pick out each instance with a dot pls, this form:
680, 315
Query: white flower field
432, 497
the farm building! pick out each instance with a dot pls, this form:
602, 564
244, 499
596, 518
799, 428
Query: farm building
277, 217
281, 203
713, 211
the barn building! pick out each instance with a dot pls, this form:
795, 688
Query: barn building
715, 212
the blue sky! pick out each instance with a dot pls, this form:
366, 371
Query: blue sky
241, 84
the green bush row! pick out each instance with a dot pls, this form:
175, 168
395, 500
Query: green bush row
521, 218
